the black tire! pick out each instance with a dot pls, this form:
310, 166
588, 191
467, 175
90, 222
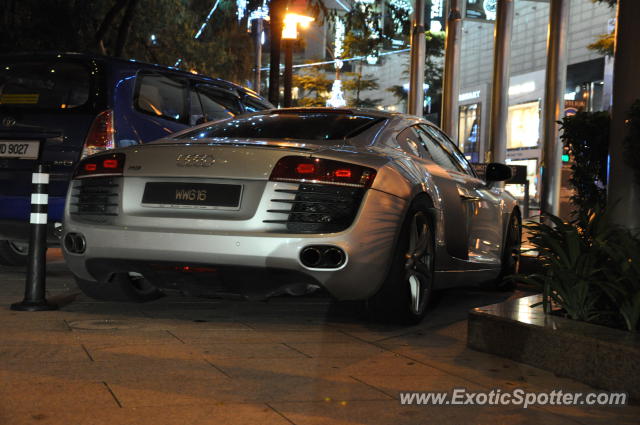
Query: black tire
127, 287
407, 290
13, 254
510, 262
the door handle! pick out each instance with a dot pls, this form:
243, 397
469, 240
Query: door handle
469, 198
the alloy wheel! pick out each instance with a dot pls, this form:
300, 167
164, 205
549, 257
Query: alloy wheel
419, 263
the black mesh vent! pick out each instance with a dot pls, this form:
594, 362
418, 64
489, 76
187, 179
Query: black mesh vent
320, 208
95, 196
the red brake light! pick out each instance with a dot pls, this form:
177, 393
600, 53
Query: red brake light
318, 170
101, 134
110, 163
100, 165
305, 168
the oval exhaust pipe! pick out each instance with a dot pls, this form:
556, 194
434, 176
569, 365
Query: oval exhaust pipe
334, 257
311, 257
75, 243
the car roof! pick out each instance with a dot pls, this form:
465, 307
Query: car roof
374, 113
126, 62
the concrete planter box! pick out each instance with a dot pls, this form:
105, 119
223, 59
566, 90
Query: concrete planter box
601, 357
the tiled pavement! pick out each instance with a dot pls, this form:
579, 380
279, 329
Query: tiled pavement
287, 361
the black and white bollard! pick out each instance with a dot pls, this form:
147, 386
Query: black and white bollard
34, 295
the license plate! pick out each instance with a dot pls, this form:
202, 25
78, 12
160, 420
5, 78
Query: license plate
23, 149
192, 195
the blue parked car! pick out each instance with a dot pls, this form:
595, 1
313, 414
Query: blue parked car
84, 104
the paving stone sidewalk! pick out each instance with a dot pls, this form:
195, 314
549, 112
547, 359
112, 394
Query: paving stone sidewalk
300, 361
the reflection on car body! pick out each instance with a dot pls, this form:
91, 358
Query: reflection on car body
368, 205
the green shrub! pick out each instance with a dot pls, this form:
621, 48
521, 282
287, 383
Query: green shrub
586, 134
591, 270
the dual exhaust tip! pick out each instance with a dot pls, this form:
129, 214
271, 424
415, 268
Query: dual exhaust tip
322, 257
75, 243
315, 256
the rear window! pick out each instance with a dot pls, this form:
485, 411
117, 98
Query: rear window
162, 96
288, 126
43, 85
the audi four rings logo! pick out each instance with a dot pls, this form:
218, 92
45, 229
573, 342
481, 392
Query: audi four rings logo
9, 122
195, 160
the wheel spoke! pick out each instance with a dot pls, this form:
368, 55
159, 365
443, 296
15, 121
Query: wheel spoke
415, 288
418, 266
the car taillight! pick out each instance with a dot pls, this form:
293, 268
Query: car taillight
100, 165
318, 170
101, 134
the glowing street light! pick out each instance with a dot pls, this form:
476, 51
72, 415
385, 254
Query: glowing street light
289, 35
291, 22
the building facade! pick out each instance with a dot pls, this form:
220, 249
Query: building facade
588, 79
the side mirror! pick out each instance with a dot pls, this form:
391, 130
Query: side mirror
497, 172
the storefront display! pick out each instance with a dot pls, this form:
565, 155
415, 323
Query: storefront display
523, 125
469, 131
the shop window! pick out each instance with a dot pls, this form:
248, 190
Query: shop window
469, 130
523, 125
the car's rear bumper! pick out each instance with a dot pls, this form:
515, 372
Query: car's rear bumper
368, 245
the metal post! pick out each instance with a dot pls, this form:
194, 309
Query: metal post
276, 13
34, 294
623, 192
555, 80
418, 52
500, 88
258, 54
288, 71
526, 199
451, 79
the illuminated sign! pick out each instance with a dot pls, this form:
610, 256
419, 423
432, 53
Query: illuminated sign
469, 95
528, 87
481, 9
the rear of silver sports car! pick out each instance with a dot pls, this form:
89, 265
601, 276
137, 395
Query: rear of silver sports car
233, 218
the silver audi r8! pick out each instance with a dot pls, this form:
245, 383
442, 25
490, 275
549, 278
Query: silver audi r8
368, 205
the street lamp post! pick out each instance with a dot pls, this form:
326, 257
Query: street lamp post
288, 71
276, 11
289, 36
259, 28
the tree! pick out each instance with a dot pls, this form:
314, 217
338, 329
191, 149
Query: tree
124, 28
605, 42
313, 87
432, 71
356, 84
